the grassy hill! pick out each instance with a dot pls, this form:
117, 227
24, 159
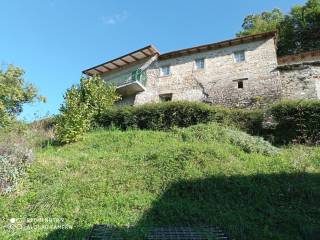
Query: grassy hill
201, 175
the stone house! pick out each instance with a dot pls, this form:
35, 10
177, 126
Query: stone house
240, 72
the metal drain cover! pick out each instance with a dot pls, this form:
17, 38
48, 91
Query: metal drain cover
186, 233
104, 232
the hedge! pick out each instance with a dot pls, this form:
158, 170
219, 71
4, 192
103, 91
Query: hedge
297, 121
287, 121
164, 116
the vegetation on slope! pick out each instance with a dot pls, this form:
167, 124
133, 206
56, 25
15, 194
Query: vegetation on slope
202, 175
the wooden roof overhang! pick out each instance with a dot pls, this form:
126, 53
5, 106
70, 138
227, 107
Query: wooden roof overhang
212, 46
122, 61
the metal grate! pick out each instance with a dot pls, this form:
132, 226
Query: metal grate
186, 233
103, 232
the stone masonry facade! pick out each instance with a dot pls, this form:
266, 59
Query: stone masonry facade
300, 81
259, 79
217, 83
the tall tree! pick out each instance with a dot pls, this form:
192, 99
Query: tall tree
14, 92
299, 31
264, 22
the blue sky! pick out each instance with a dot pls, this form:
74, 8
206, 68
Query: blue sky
54, 40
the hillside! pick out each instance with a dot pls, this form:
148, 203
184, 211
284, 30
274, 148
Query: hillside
201, 175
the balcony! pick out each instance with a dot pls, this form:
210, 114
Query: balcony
129, 83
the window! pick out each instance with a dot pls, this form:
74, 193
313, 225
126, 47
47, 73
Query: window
239, 56
165, 97
165, 70
240, 84
200, 63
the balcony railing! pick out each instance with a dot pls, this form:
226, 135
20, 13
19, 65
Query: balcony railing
125, 79
130, 83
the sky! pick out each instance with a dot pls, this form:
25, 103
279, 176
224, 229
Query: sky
54, 40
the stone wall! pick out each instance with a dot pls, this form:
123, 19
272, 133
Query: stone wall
300, 81
217, 83
316, 77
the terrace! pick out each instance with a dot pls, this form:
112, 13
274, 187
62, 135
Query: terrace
130, 83
126, 83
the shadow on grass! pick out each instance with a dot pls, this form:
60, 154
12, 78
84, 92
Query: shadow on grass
276, 206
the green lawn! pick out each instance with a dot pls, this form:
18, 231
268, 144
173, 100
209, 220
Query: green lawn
203, 175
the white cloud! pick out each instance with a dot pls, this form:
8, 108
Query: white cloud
116, 18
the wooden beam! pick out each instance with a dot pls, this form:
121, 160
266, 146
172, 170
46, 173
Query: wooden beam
125, 61
98, 70
105, 68
135, 58
121, 61
109, 69
117, 65
145, 54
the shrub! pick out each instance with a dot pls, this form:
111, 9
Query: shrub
46, 124
297, 121
218, 132
284, 122
246, 120
13, 162
17, 142
164, 116
82, 103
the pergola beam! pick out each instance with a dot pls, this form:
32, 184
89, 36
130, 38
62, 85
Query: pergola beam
135, 58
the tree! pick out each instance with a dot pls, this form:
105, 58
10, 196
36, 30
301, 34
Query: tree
82, 103
14, 92
264, 22
299, 31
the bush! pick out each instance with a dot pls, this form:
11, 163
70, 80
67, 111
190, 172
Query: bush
82, 103
13, 162
285, 122
246, 120
164, 116
17, 143
297, 121
157, 116
218, 132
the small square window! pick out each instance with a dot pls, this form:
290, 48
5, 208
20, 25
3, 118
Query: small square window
165, 97
165, 70
239, 56
240, 84
200, 63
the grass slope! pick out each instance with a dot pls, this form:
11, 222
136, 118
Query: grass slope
202, 175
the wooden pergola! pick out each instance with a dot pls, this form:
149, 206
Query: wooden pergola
123, 61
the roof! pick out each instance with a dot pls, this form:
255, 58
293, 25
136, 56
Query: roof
150, 50
302, 57
226, 43
123, 61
